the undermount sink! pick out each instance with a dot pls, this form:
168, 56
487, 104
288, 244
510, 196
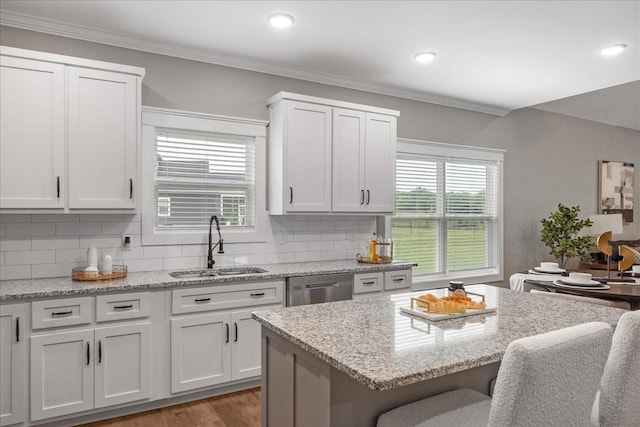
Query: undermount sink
231, 271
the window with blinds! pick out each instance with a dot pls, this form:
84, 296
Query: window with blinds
202, 174
447, 213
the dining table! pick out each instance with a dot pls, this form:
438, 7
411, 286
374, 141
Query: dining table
618, 290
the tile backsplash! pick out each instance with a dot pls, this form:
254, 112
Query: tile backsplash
50, 245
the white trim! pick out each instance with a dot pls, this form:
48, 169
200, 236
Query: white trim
176, 119
441, 149
58, 28
280, 96
70, 60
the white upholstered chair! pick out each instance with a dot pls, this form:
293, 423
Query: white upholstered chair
599, 301
617, 403
545, 380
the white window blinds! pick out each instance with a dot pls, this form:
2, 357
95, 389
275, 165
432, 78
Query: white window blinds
447, 213
202, 174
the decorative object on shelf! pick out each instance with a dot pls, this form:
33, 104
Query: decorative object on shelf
615, 192
605, 226
561, 234
80, 274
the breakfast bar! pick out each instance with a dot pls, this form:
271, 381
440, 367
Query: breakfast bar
345, 363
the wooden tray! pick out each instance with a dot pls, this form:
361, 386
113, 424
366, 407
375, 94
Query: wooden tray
425, 314
80, 275
381, 260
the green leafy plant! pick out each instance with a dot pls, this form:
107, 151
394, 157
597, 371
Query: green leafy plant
560, 233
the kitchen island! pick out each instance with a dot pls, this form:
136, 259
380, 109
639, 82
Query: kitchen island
345, 363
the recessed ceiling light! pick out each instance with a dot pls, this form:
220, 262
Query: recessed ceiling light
613, 50
424, 57
281, 20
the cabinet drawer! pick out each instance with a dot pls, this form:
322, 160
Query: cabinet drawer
122, 306
397, 279
217, 297
61, 312
368, 282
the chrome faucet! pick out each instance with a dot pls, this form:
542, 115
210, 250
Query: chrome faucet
210, 260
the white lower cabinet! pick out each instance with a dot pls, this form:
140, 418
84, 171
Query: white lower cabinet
214, 340
79, 370
122, 364
379, 283
199, 356
13, 363
61, 373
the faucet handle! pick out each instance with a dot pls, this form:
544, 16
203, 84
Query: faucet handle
220, 247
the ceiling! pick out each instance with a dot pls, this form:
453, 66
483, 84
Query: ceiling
492, 56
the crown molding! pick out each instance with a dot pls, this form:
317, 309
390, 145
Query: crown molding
58, 28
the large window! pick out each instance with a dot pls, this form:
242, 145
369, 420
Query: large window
448, 210
202, 166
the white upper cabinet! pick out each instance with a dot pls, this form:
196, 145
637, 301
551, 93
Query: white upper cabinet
103, 127
70, 133
330, 156
31, 134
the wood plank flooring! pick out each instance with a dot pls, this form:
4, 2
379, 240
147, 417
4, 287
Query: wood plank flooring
240, 409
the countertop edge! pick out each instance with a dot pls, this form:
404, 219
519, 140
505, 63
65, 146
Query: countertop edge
18, 290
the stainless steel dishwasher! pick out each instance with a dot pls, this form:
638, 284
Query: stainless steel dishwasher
317, 289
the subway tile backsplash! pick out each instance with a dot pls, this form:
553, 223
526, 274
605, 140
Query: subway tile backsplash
51, 245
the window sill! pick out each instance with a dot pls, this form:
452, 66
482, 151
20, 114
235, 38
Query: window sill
442, 280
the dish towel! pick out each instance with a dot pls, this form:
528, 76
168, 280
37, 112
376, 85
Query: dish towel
516, 282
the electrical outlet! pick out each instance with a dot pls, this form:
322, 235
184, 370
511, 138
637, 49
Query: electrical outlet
126, 243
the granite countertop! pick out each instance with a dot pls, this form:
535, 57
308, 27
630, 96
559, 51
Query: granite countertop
372, 342
64, 286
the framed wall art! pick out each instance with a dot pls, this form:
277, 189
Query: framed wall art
615, 194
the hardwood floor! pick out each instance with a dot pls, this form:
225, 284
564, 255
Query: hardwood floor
241, 409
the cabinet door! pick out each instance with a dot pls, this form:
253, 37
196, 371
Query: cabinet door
200, 351
103, 131
61, 373
348, 151
380, 161
122, 364
31, 134
12, 364
246, 346
308, 158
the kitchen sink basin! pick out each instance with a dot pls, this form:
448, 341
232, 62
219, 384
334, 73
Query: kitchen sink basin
231, 271
235, 271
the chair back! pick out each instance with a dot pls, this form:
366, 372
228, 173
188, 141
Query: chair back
551, 379
618, 403
598, 301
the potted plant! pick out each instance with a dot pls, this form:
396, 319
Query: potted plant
561, 234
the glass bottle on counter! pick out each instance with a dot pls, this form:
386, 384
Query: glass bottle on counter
373, 250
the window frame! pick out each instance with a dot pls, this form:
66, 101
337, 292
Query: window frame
161, 118
468, 154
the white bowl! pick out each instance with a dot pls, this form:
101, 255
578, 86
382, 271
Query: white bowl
549, 266
580, 277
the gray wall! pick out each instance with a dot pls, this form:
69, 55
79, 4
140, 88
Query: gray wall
550, 158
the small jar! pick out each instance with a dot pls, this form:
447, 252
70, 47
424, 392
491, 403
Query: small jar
455, 285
